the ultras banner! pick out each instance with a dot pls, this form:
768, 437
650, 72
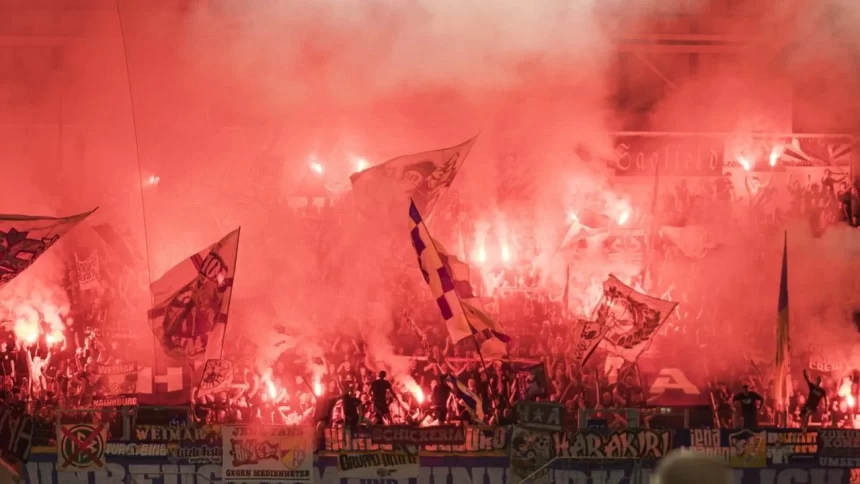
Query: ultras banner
255, 453
434, 470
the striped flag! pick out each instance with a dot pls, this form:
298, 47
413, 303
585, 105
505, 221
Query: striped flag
782, 375
448, 278
474, 403
190, 302
24, 238
421, 177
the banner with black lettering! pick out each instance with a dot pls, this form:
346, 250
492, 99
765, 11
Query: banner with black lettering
267, 453
378, 465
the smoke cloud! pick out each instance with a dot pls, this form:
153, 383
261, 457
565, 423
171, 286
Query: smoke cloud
227, 103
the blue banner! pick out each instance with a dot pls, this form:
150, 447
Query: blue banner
434, 470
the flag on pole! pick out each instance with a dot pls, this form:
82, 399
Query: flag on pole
448, 278
24, 238
782, 377
630, 318
421, 177
191, 301
565, 296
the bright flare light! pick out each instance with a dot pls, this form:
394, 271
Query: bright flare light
845, 392
153, 180
572, 217
506, 254
775, 153
416, 391
360, 164
317, 167
318, 390
481, 256
623, 218
744, 163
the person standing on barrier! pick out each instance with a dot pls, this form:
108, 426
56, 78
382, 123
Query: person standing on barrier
750, 402
685, 467
440, 397
351, 408
381, 390
816, 394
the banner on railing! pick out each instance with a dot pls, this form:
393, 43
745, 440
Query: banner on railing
378, 465
254, 453
475, 441
16, 433
455, 469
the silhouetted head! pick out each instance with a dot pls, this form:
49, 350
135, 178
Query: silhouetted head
685, 467
382, 374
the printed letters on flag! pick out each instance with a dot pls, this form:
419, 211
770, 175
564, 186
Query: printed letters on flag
423, 177
88, 271
118, 379
217, 376
631, 318
24, 238
191, 301
448, 278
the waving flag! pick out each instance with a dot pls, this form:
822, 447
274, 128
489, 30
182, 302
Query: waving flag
448, 278
191, 302
629, 318
782, 377
24, 238
422, 177
474, 403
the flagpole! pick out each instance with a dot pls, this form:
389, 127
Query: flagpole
646, 266
227, 312
139, 169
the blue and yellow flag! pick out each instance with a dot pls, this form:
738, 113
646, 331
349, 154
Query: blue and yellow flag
782, 374
474, 403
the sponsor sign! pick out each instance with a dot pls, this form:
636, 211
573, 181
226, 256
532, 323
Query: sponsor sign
785, 446
377, 465
623, 444
42, 469
115, 402
839, 448
81, 447
671, 155
540, 415
261, 453
411, 435
749, 449
188, 453
16, 433
477, 441
135, 450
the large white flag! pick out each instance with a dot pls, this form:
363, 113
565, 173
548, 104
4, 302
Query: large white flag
190, 302
24, 238
423, 177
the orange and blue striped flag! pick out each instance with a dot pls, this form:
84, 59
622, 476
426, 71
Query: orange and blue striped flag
782, 376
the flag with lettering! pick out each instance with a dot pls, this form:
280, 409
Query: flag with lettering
448, 278
24, 238
422, 177
630, 317
190, 302
782, 376
120, 379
